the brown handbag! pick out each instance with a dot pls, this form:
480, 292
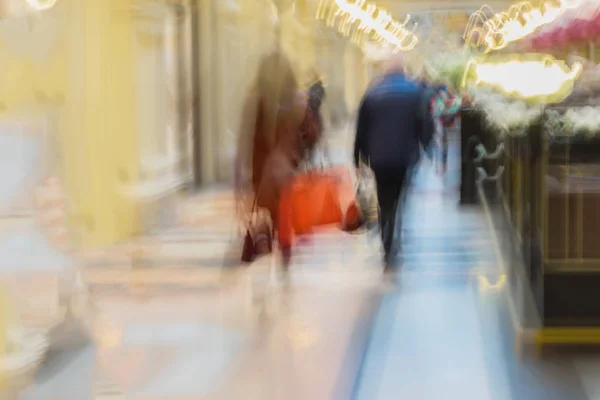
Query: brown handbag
258, 240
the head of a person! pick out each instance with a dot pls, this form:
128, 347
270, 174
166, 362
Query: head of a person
282, 103
276, 84
396, 64
274, 107
424, 79
314, 77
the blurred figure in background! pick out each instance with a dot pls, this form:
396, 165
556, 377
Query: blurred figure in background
446, 108
276, 132
316, 92
440, 130
313, 125
430, 94
394, 121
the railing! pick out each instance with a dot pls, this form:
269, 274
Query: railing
477, 162
547, 189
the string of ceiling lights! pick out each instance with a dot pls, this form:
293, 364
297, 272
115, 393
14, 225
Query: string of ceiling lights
357, 19
522, 19
364, 22
526, 76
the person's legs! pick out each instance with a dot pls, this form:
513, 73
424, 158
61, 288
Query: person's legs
389, 190
444, 149
387, 206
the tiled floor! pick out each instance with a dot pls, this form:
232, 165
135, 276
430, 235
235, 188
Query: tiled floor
171, 322
426, 343
446, 332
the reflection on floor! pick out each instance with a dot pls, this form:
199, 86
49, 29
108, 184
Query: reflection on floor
446, 331
176, 325
427, 342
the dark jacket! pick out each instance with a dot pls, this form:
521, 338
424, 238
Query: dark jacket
394, 122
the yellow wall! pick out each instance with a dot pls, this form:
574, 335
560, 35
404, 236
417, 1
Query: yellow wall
98, 71
96, 119
74, 64
33, 53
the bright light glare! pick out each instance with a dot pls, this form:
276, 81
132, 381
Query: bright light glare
517, 22
544, 78
369, 21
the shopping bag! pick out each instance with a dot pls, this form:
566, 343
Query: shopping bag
357, 197
363, 211
366, 196
314, 202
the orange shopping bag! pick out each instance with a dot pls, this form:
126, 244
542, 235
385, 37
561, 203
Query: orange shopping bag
314, 202
311, 200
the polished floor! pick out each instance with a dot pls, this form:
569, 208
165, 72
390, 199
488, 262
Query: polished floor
168, 318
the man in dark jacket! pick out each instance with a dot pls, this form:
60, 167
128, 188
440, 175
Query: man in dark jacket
394, 123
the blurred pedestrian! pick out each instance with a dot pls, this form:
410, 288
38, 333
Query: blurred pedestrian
270, 150
313, 126
446, 112
394, 122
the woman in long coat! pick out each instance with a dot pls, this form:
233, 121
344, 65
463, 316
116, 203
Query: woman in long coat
272, 142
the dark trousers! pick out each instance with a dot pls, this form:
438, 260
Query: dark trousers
390, 192
444, 143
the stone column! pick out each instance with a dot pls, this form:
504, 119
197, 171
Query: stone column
98, 120
196, 91
227, 72
207, 105
154, 105
182, 21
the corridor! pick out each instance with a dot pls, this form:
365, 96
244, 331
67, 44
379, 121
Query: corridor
170, 316
430, 337
128, 125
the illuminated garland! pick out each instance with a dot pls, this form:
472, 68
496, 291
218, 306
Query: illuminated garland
362, 22
522, 19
